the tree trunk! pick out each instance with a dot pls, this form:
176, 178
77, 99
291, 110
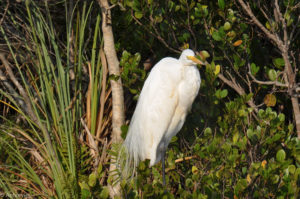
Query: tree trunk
296, 110
118, 115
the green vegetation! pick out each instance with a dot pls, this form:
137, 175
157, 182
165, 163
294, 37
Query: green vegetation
241, 139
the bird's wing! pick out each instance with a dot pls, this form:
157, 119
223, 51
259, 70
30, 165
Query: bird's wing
155, 109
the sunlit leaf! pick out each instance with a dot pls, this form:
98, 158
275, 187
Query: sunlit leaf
194, 169
204, 54
138, 14
185, 46
248, 179
292, 169
263, 163
270, 100
217, 69
227, 26
237, 43
92, 179
272, 74
268, 26
280, 155
224, 93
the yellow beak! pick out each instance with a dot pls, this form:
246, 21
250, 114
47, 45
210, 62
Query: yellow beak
194, 59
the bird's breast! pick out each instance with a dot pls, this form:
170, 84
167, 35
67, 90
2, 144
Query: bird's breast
189, 86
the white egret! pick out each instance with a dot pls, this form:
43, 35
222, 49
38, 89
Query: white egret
166, 98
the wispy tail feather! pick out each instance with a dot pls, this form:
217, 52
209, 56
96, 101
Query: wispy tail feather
125, 164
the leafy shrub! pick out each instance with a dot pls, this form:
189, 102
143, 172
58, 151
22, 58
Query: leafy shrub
242, 157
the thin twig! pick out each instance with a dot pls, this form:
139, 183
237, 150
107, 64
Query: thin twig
186, 158
233, 84
91, 144
285, 35
276, 83
270, 35
156, 34
5, 11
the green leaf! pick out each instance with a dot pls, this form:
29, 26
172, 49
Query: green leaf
275, 179
242, 113
207, 132
218, 94
254, 69
186, 36
92, 179
272, 74
227, 26
281, 117
174, 139
85, 194
104, 193
113, 77
278, 62
223, 93
250, 133
292, 169
240, 185
221, 4
280, 155
261, 113
138, 14
216, 36
189, 182
235, 138
194, 169
124, 129
244, 170
99, 170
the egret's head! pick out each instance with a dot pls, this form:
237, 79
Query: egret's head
188, 58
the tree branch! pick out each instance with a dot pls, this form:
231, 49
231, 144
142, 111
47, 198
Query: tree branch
27, 102
233, 84
12, 91
283, 46
285, 35
156, 34
271, 36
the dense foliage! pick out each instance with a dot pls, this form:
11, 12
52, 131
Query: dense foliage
239, 141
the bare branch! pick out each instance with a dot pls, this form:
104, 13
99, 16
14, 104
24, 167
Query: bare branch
271, 36
233, 84
283, 46
285, 35
12, 91
295, 27
26, 104
92, 144
156, 34
5, 11
275, 83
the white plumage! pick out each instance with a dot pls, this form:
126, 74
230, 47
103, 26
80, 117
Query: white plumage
166, 98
